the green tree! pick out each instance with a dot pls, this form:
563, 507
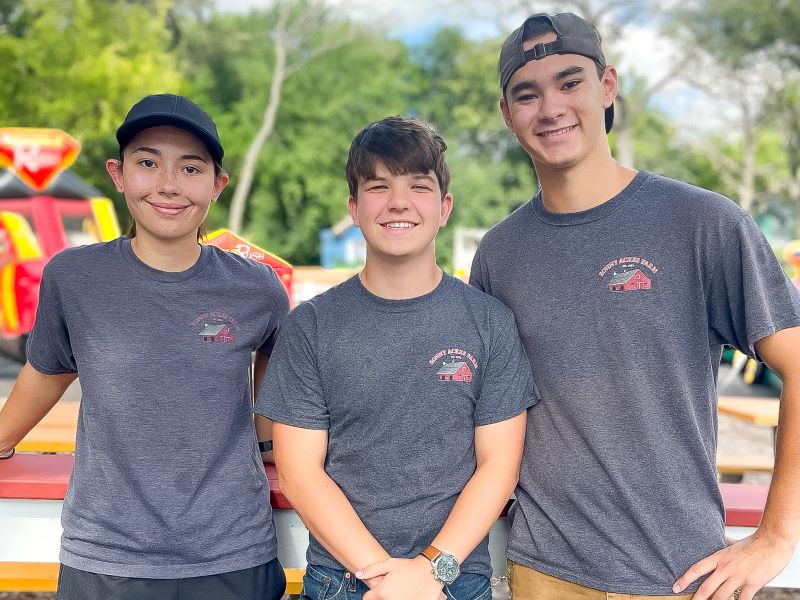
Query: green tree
79, 65
298, 185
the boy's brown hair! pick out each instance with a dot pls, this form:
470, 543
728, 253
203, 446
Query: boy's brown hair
402, 146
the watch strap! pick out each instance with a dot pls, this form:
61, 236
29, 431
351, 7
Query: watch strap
431, 553
265, 446
9, 455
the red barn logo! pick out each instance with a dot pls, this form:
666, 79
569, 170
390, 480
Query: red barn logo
216, 326
629, 281
454, 371
217, 333
628, 274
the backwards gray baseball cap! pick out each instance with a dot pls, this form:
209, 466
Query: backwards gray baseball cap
573, 36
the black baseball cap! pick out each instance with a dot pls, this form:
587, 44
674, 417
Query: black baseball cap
169, 109
573, 36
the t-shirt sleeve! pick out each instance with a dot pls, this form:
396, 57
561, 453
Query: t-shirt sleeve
49, 350
478, 277
292, 390
507, 387
280, 309
750, 296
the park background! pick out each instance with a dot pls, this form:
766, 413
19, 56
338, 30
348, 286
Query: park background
710, 94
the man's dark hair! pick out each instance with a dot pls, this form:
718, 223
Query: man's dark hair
402, 146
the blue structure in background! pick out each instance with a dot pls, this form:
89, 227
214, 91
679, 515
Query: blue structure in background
342, 245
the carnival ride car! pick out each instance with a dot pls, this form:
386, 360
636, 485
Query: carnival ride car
44, 208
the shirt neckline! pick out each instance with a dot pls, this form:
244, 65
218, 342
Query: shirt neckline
164, 276
601, 211
435, 296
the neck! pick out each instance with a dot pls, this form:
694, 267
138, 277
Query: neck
400, 278
172, 256
582, 186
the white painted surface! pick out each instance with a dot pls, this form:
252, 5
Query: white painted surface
30, 531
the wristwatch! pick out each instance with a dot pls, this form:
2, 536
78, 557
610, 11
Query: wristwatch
9, 454
265, 446
445, 566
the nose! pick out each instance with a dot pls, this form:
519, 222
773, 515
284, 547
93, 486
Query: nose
551, 108
168, 183
398, 199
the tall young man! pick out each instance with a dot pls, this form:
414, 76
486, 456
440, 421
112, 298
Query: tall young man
625, 286
399, 397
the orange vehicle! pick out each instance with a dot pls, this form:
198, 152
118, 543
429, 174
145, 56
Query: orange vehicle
44, 208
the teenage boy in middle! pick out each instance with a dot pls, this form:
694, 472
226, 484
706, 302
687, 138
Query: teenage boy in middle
399, 396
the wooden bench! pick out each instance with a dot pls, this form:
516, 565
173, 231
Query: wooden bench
731, 468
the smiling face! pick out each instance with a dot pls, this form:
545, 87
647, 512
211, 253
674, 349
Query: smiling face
400, 215
556, 107
167, 176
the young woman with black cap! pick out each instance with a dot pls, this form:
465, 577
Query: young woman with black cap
168, 497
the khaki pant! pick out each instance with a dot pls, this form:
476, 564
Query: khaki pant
528, 584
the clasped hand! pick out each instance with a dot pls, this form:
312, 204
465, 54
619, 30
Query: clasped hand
401, 579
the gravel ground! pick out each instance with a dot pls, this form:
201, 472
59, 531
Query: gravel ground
735, 437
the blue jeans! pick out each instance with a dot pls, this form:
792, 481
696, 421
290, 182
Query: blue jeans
324, 583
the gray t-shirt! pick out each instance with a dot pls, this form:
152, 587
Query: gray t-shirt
400, 386
623, 310
168, 481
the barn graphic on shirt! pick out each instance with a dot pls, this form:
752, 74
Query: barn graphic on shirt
217, 332
628, 281
454, 371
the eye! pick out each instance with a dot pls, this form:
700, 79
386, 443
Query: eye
147, 163
571, 84
526, 98
377, 188
421, 187
192, 170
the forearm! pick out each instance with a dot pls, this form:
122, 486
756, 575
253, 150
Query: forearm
330, 517
781, 520
32, 396
477, 508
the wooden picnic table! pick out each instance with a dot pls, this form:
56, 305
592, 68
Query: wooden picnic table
55, 432
756, 410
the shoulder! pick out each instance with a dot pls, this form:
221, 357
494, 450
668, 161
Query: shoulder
71, 260
499, 234
481, 303
693, 202
245, 269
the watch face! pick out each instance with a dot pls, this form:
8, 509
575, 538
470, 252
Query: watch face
447, 568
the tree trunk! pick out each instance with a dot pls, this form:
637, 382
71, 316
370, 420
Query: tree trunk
242, 191
626, 155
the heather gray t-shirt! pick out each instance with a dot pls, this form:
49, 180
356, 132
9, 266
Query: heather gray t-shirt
168, 481
400, 385
623, 310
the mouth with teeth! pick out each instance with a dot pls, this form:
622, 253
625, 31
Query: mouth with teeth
556, 132
398, 225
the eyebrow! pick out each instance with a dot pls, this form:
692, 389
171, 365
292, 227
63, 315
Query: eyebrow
534, 85
156, 152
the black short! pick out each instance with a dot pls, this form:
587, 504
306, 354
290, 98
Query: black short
265, 582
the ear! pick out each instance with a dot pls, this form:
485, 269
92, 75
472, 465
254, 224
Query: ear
506, 113
446, 209
114, 169
610, 86
352, 208
220, 181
